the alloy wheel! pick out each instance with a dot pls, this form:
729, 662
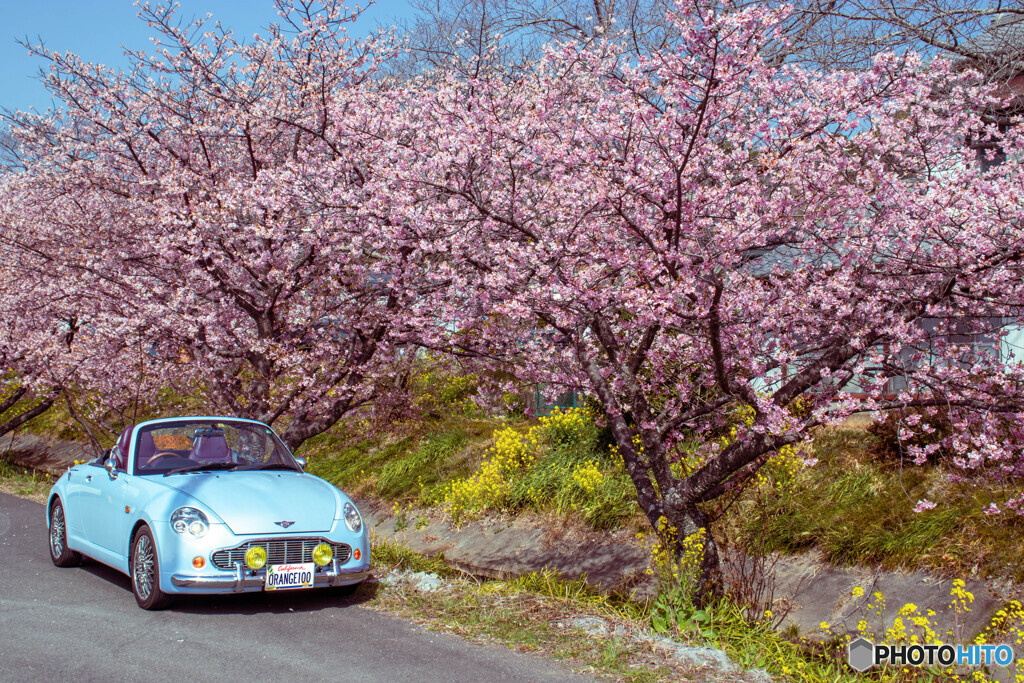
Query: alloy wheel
57, 531
143, 566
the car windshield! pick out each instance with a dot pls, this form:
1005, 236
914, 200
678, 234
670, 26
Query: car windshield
202, 445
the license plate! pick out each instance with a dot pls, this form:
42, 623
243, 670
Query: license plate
280, 576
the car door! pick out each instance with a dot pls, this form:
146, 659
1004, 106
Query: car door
100, 501
105, 518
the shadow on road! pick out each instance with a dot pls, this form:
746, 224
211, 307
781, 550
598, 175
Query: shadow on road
274, 602
285, 601
102, 571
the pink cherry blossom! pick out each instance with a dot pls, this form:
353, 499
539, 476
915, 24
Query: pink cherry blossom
208, 222
924, 504
725, 253
701, 240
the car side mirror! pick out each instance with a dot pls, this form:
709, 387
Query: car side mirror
302, 462
111, 468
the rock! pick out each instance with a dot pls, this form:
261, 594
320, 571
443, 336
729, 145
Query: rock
757, 676
594, 626
701, 657
704, 656
425, 582
391, 578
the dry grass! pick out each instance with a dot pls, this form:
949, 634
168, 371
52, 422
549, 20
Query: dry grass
533, 614
24, 483
855, 508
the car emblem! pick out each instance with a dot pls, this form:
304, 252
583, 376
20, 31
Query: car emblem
284, 524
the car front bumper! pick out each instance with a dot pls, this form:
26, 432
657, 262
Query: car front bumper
243, 579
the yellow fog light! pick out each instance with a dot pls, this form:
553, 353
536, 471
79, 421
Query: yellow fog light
322, 554
198, 562
256, 557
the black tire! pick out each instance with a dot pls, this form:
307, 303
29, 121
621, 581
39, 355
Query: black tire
60, 553
144, 571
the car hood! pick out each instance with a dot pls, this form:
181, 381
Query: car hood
253, 502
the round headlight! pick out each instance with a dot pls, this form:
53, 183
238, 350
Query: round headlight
191, 520
256, 557
352, 518
322, 554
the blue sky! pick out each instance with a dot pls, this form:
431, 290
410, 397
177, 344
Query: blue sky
96, 30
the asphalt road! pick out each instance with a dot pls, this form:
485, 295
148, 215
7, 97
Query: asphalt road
83, 624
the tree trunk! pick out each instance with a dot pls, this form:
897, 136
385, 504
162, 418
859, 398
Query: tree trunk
688, 522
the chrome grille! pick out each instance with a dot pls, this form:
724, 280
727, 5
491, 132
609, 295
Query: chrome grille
280, 551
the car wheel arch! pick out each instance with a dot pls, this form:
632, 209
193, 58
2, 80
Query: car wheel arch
62, 555
56, 498
53, 500
141, 522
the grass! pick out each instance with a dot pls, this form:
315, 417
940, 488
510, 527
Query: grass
547, 486
851, 506
534, 613
389, 555
421, 466
856, 509
529, 614
57, 422
398, 468
23, 482
757, 645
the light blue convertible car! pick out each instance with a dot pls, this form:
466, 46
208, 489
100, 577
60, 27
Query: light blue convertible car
206, 505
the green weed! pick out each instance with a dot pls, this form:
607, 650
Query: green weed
401, 469
528, 614
391, 555
856, 510
23, 482
553, 466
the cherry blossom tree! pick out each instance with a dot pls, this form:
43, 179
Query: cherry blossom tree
211, 205
726, 253
38, 327
821, 34
57, 343
24, 393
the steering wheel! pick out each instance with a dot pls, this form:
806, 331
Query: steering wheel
160, 455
